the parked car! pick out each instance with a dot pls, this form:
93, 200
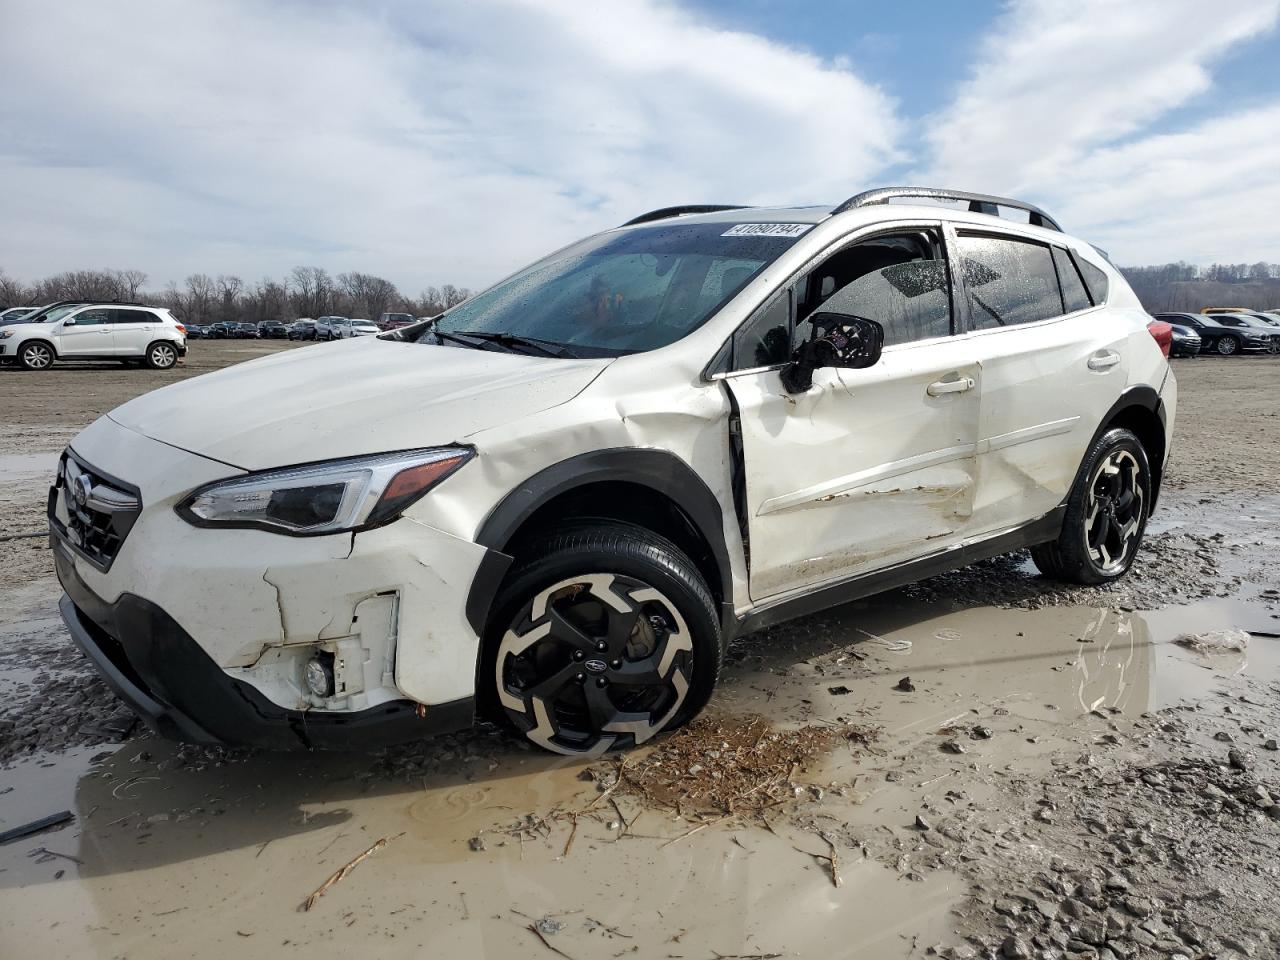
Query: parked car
1255, 335
195, 331
394, 321
273, 330
357, 327
48, 313
96, 332
14, 314
330, 327
1270, 319
1215, 337
581, 484
302, 329
1186, 341
248, 331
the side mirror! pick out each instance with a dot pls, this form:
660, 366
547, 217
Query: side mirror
838, 340
70, 322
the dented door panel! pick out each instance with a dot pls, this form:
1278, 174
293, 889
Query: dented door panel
1042, 399
867, 468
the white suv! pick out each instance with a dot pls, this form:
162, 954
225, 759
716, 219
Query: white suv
94, 331
582, 482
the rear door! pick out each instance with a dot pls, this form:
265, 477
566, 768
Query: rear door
87, 334
134, 331
868, 467
1053, 363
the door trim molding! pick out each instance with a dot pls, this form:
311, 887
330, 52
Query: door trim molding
1042, 530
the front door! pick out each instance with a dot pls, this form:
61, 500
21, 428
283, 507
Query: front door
86, 334
869, 467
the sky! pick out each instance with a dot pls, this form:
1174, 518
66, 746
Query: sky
452, 142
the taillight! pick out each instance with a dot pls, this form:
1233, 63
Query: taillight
182, 330
1163, 334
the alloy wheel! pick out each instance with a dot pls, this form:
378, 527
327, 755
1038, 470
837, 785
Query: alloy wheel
1115, 511
163, 356
594, 661
37, 356
1227, 346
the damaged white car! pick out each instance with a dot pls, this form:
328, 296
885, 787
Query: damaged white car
583, 482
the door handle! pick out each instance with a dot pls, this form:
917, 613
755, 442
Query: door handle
1104, 362
939, 387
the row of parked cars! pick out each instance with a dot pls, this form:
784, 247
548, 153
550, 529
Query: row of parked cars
304, 328
1226, 331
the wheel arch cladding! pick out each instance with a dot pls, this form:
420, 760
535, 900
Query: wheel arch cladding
650, 488
1140, 411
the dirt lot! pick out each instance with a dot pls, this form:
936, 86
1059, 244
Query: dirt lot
983, 764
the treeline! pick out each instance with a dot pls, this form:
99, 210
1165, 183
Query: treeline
1187, 287
305, 292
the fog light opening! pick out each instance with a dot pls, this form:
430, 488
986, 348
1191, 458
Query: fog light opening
319, 675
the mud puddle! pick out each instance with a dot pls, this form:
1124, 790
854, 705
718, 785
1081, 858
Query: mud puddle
220, 849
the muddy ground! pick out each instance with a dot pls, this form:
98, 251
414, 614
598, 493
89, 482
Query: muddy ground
984, 764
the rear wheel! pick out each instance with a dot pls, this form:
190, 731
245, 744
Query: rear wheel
605, 636
36, 356
1227, 346
161, 355
1106, 514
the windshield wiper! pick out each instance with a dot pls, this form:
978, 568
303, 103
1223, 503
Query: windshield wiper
550, 348
463, 339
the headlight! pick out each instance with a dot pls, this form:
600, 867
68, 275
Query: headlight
324, 497
6, 334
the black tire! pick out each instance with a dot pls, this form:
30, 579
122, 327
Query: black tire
36, 355
1106, 514
627, 636
161, 355
1227, 346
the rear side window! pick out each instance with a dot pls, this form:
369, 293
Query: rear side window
1074, 295
1094, 279
1008, 282
133, 316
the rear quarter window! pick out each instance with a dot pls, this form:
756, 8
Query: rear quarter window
1094, 278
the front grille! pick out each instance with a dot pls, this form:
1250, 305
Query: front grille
99, 510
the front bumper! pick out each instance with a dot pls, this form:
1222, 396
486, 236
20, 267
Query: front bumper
179, 692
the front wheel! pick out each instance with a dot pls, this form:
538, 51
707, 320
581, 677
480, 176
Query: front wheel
36, 356
1106, 514
605, 635
161, 355
1228, 345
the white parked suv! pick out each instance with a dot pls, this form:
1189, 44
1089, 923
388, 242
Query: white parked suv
582, 482
330, 327
132, 333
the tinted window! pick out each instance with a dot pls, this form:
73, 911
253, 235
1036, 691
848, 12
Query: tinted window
1009, 281
1094, 279
89, 317
912, 300
1226, 320
133, 316
1074, 295
763, 341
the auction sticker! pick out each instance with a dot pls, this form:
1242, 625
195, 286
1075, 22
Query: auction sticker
767, 229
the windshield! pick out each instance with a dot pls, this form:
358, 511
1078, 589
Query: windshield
47, 314
624, 292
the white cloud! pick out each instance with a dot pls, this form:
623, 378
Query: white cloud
447, 143
1059, 107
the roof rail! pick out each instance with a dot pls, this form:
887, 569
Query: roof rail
665, 213
978, 202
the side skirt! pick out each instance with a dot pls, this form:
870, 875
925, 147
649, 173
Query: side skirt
962, 555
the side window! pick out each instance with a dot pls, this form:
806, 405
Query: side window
912, 301
764, 340
1009, 281
898, 280
1094, 279
1074, 295
91, 317
133, 316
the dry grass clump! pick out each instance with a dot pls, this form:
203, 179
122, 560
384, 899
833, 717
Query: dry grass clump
729, 764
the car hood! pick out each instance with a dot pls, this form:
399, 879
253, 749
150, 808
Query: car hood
351, 398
